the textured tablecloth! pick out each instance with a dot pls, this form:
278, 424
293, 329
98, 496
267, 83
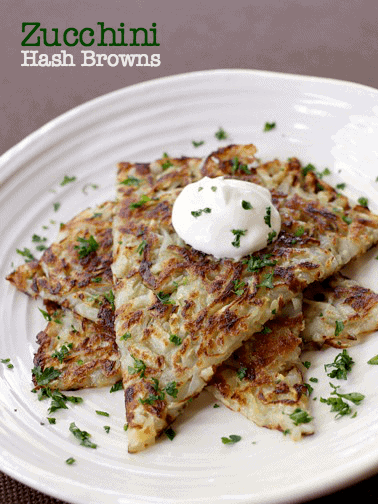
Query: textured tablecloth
306, 37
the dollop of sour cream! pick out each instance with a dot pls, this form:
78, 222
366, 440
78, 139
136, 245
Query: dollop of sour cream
227, 218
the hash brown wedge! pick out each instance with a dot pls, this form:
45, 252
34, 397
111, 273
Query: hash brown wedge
75, 271
165, 291
263, 379
338, 313
82, 351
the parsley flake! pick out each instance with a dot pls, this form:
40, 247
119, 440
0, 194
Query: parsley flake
267, 217
246, 205
271, 236
300, 416
266, 281
197, 144
142, 200
221, 134
139, 367
241, 372
170, 433
232, 439
237, 233
255, 263
173, 338
46, 376
363, 202
198, 213
26, 254
131, 181
66, 180
87, 246
82, 436
343, 365
269, 126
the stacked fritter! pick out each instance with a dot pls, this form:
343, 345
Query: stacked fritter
138, 304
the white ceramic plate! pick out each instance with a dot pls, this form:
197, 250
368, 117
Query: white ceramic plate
328, 123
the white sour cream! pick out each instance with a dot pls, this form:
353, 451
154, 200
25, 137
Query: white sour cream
227, 218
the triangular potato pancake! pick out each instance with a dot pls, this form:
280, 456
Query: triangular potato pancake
177, 313
75, 271
84, 352
263, 379
338, 313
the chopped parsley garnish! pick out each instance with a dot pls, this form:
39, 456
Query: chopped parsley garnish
325, 172
107, 429
142, 245
373, 360
197, 144
109, 296
237, 233
58, 399
66, 180
338, 405
214, 188
307, 364
167, 165
221, 134
269, 126
308, 168
46, 376
170, 433
38, 239
125, 336
339, 327
102, 413
256, 263
63, 352
266, 330
246, 205
46, 316
271, 237
300, 231
238, 287
363, 201
70, 461
131, 181
347, 219
7, 362
142, 200
117, 386
82, 436
236, 165
300, 416
343, 365
232, 439
266, 281
28, 256
171, 389
197, 213
96, 280
173, 338
86, 247
164, 298
158, 396
267, 217
241, 372
51, 420
139, 367
56, 206
341, 186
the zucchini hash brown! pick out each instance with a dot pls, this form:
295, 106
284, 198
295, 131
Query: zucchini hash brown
177, 315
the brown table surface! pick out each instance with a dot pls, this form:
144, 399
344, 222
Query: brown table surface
307, 37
